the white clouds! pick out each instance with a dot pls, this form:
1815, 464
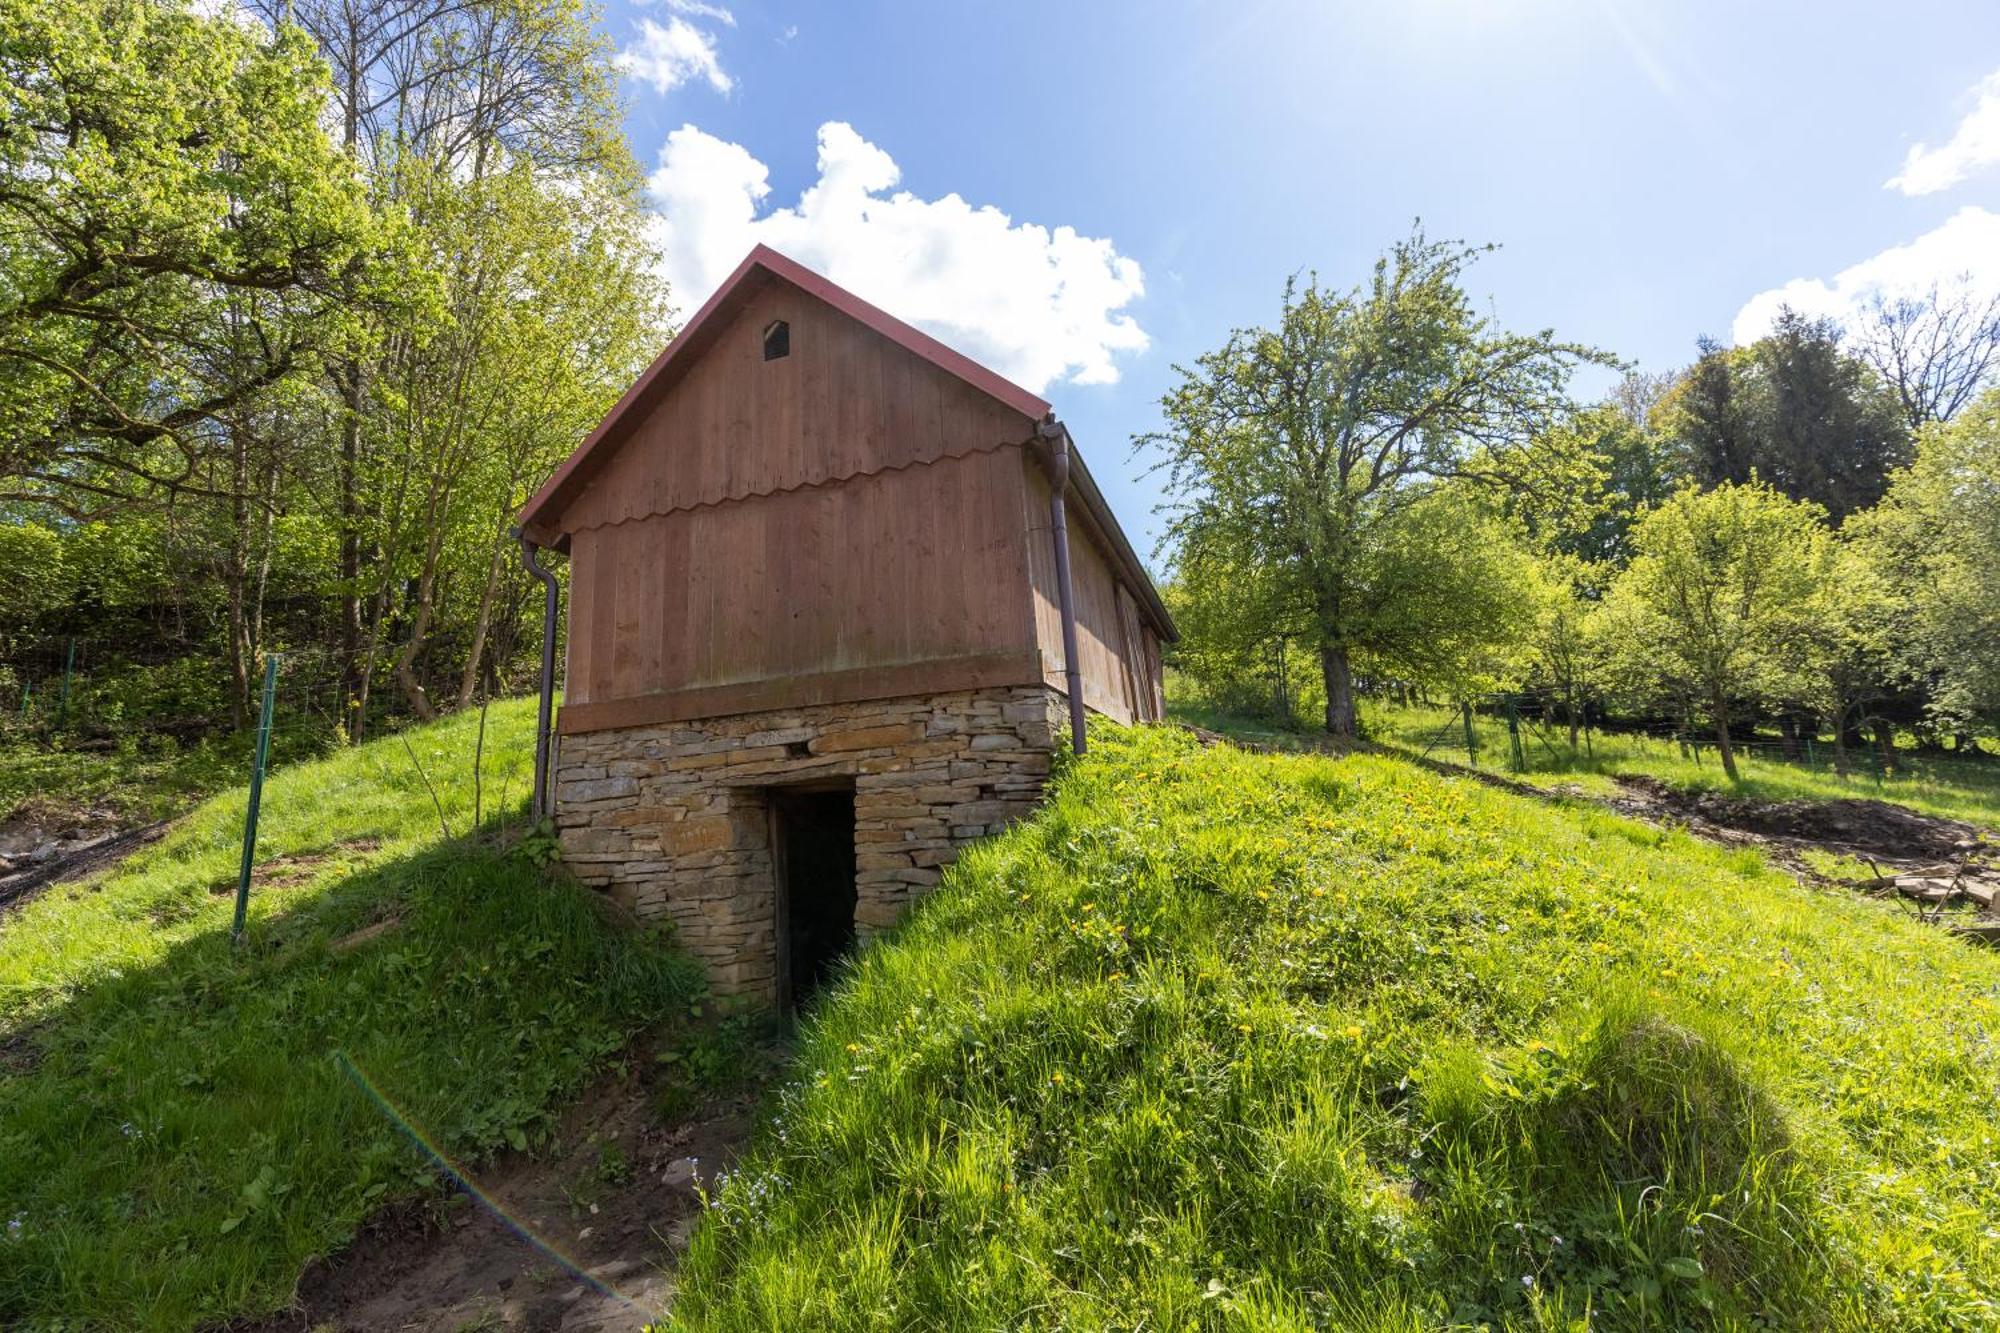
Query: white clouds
670, 54
1975, 144
1037, 305
1966, 246
698, 10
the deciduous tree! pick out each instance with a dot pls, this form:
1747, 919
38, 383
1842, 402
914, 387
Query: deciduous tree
1313, 452
1937, 538
177, 227
1721, 589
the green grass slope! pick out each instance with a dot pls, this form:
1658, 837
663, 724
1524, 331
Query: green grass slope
1282, 1043
178, 1131
1952, 788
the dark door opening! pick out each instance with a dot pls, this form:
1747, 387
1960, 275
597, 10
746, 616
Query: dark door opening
812, 839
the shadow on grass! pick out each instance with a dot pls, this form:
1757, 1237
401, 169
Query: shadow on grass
178, 1139
1650, 1140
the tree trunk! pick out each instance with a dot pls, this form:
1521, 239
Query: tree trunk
1885, 741
468, 680
367, 678
1722, 744
235, 574
353, 674
1788, 727
1339, 676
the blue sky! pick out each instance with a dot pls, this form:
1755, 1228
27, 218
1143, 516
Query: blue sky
1653, 169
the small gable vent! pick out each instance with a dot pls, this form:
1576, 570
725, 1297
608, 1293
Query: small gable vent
777, 340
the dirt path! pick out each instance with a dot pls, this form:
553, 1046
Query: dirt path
1876, 830
31, 860
582, 1239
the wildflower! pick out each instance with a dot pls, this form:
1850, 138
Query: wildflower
853, 1046
1527, 1281
1056, 1077
1353, 1031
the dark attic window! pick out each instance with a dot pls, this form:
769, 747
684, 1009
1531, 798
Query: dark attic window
777, 340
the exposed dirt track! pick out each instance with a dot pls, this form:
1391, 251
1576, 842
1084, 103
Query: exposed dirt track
581, 1239
71, 859
1850, 825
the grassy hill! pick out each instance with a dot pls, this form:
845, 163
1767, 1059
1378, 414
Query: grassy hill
1287, 1043
1952, 788
184, 1122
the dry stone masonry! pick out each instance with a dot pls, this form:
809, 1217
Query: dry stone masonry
674, 820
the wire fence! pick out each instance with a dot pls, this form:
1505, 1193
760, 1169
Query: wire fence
82, 692
1524, 732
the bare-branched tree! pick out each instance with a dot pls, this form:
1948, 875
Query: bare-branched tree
1936, 350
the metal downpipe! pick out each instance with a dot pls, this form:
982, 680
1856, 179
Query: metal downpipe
539, 805
1056, 438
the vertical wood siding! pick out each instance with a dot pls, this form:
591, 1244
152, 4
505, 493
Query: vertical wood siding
845, 402
1118, 679
924, 563
847, 508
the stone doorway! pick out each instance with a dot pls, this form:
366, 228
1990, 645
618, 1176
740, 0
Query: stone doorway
812, 862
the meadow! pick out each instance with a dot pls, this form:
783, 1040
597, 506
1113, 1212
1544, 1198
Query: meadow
1943, 785
1235, 1041
185, 1121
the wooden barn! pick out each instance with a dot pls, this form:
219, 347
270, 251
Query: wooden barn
833, 587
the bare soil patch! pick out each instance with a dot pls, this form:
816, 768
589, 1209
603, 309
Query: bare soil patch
1850, 825
583, 1238
35, 854
284, 872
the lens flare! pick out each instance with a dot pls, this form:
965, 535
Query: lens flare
464, 1181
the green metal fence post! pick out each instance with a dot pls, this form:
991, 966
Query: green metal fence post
1471, 746
1514, 735
256, 797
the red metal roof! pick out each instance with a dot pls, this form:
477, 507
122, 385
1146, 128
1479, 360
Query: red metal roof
540, 516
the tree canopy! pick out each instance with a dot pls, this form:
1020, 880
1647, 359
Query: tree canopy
311, 297
1331, 452
181, 236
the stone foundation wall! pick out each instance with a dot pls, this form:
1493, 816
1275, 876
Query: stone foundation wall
674, 819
